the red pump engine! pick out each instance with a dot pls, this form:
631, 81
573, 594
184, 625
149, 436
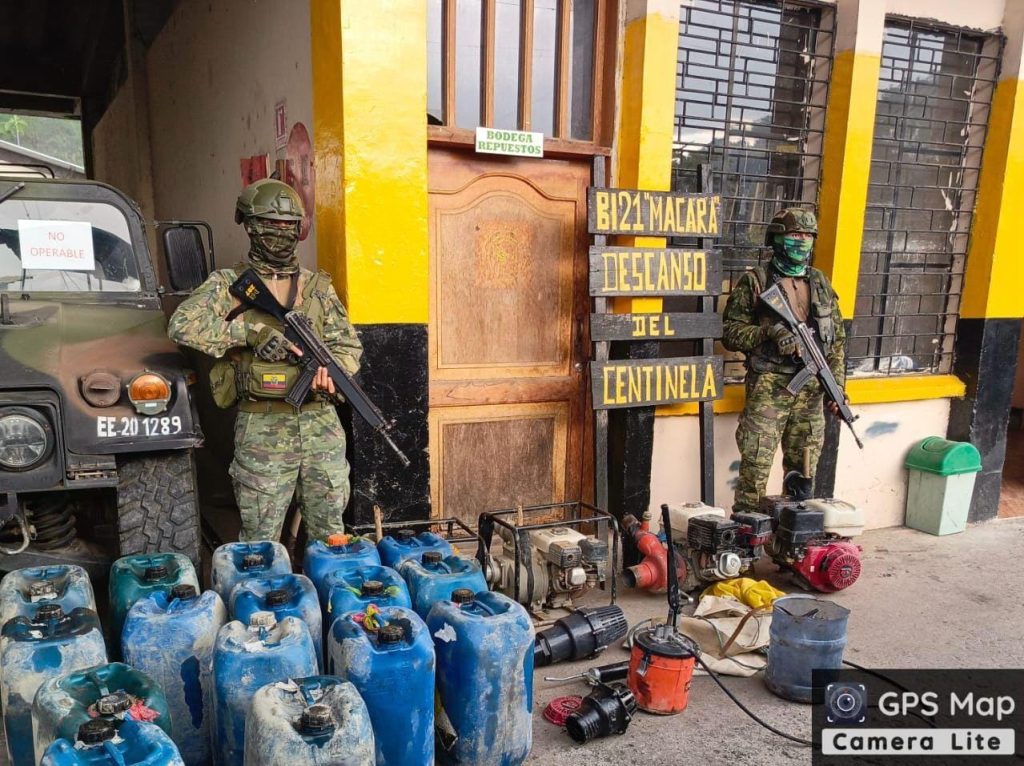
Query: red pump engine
812, 539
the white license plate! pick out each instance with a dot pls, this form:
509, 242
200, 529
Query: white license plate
108, 427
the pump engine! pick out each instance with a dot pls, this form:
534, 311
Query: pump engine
709, 546
560, 565
812, 539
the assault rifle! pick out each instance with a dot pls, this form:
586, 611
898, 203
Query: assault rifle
252, 292
814, 363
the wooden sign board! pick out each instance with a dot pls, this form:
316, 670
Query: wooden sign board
648, 271
654, 326
645, 382
653, 213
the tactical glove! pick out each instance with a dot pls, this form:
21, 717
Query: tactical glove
267, 343
785, 340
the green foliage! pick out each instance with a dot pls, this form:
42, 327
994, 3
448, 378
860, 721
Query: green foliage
55, 136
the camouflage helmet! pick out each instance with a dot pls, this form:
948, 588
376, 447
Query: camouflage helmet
791, 219
268, 198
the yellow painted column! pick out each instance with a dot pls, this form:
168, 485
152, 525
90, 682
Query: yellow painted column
994, 276
849, 131
644, 131
370, 140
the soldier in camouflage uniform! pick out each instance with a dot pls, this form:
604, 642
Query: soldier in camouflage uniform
279, 450
771, 414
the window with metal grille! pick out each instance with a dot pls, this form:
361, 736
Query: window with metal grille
518, 64
934, 94
751, 89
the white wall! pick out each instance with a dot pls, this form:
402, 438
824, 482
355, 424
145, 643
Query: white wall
215, 73
873, 479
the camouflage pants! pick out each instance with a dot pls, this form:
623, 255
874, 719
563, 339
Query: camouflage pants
771, 415
281, 454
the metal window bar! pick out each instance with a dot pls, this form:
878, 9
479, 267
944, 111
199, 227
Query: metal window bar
751, 90
564, 48
934, 97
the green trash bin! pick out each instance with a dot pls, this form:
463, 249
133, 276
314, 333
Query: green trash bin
942, 474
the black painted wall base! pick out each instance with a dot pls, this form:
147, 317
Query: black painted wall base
394, 376
631, 449
986, 360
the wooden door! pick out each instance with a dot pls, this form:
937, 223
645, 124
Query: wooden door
508, 332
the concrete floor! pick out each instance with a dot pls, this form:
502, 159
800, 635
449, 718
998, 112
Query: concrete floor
921, 602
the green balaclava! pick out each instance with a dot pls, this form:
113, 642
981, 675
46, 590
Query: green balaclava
272, 248
791, 255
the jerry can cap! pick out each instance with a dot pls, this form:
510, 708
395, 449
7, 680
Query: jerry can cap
155, 573
252, 560
262, 620
337, 540
432, 557
405, 535
112, 704
184, 591
277, 597
48, 612
463, 596
316, 719
390, 634
372, 587
97, 730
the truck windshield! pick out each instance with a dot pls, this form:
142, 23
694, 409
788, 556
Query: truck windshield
65, 246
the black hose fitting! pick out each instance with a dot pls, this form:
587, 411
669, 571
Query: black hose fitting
606, 710
585, 632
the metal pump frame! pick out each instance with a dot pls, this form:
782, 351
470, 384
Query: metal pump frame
521, 540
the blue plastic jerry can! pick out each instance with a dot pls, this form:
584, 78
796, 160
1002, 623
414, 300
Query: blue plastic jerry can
114, 690
433, 578
308, 722
245, 659
105, 742
406, 544
339, 553
484, 644
170, 637
287, 595
24, 590
135, 577
34, 650
234, 562
388, 656
352, 590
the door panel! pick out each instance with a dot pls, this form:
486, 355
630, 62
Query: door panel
507, 336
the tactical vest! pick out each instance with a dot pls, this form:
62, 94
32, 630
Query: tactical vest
766, 357
241, 376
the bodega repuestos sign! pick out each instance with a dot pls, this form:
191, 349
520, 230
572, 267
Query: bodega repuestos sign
518, 143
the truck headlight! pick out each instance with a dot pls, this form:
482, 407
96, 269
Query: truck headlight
25, 438
149, 392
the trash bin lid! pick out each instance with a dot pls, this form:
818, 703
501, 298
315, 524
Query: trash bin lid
943, 457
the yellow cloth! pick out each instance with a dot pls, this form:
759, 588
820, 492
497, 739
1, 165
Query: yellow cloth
756, 594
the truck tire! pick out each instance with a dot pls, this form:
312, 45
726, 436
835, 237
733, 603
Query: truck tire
158, 504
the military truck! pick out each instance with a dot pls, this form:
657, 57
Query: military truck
97, 423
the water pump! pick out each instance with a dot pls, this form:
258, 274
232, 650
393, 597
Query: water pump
708, 546
547, 564
812, 539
